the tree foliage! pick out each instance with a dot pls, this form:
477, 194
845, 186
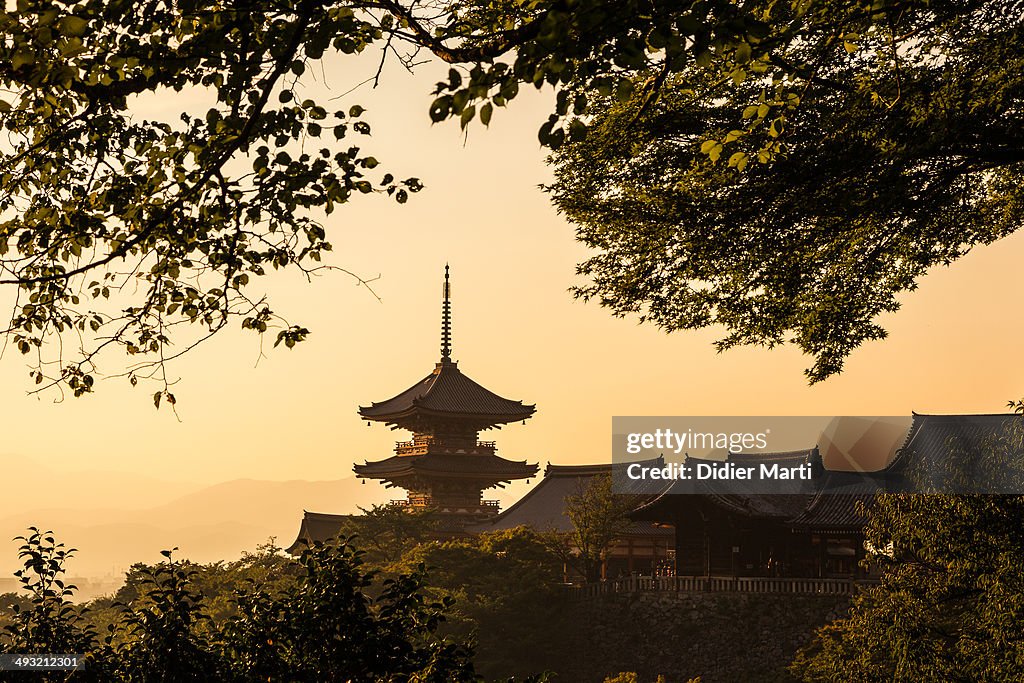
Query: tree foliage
793, 188
336, 621
45, 621
951, 599
599, 519
327, 628
508, 598
783, 169
170, 218
386, 532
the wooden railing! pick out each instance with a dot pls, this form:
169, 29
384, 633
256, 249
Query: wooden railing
423, 501
722, 584
422, 446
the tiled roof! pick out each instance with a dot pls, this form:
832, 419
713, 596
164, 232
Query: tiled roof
317, 527
831, 507
543, 507
770, 505
447, 464
933, 435
834, 512
837, 506
446, 391
783, 457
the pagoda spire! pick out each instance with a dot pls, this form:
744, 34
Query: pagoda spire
446, 321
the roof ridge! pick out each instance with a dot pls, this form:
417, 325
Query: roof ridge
307, 514
966, 414
563, 470
431, 379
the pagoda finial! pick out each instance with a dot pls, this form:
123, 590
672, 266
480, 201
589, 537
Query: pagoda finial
446, 321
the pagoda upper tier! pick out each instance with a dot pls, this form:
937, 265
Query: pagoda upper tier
446, 403
447, 396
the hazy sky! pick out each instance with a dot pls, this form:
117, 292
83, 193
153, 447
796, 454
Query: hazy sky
954, 347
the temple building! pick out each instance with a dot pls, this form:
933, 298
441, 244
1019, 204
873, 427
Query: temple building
820, 532
814, 533
642, 548
444, 467
683, 528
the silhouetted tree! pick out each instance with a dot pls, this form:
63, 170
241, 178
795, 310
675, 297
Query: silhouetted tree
508, 597
598, 517
949, 605
385, 532
335, 622
782, 169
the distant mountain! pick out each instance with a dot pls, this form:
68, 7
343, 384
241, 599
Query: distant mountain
212, 523
33, 484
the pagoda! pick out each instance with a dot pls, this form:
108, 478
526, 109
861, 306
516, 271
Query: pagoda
445, 467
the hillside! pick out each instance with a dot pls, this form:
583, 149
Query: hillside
207, 524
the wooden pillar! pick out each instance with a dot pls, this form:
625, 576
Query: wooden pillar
707, 545
821, 556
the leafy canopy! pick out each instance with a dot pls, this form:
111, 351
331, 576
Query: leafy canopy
508, 598
790, 190
949, 606
599, 519
951, 597
168, 218
332, 619
784, 169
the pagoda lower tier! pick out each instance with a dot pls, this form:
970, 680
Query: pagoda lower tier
446, 482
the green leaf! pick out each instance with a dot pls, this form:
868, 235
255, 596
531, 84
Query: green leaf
742, 53
624, 90
21, 59
440, 108
577, 130
73, 26
467, 115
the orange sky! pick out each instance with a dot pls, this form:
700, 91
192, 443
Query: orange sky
953, 348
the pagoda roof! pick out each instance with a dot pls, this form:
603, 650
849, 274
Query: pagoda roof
448, 392
448, 465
